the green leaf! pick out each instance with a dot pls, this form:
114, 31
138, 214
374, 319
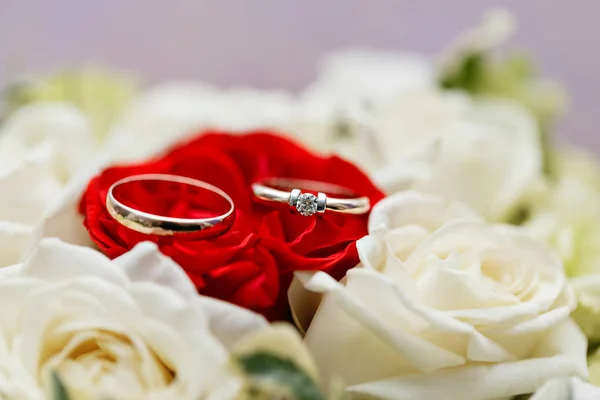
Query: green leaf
59, 391
467, 76
274, 375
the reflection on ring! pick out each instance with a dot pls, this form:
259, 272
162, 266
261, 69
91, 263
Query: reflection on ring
153, 224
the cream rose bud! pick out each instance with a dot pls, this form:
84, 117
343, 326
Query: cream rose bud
483, 152
100, 94
496, 27
445, 306
43, 147
566, 215
132, 328
594, 368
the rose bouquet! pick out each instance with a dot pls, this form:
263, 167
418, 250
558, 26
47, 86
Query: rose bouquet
406, 227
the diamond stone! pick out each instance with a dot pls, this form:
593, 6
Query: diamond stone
307, 204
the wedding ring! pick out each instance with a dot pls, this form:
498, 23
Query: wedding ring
153, 224
289, 191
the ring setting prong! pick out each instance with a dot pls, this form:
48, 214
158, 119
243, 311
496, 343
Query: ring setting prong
321, 203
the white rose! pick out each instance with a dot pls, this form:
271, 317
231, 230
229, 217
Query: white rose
44, 147
567, 389
369, 78
172, 112
445, 306
132, 328
485, 153
566, 215
333, 112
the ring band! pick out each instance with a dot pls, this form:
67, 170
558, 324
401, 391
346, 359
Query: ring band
308, 204
152, 224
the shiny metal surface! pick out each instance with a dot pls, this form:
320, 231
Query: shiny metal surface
290, 191
152, 224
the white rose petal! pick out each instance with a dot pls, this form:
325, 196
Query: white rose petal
567, 389
228, 322
27, 190
14, 242
145, 264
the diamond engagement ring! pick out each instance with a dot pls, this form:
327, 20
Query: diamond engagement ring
177, 188
315, 200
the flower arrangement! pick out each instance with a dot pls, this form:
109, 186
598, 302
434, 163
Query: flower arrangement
442, 243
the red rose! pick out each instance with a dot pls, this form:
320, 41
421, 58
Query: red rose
252, 264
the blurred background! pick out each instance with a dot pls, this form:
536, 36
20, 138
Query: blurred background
277, 43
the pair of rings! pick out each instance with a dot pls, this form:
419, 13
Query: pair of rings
270, 191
